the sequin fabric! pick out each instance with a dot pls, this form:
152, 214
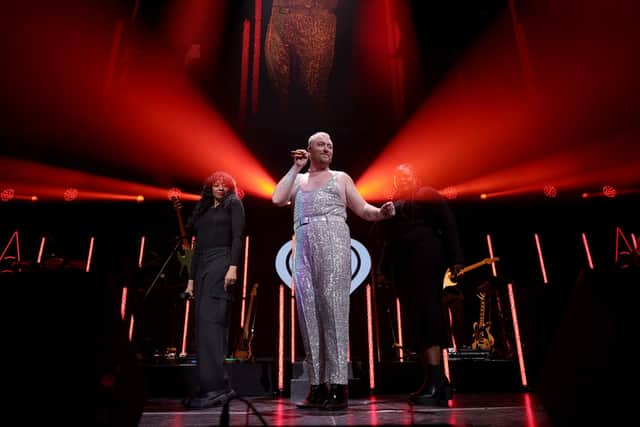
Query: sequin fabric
322, 277
299, 46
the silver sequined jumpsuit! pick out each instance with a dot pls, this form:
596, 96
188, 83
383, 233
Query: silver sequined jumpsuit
322, 277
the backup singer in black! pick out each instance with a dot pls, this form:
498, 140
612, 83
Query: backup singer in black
420, 242
218, 222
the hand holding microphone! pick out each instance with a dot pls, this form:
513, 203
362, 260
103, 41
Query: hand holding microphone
300, 156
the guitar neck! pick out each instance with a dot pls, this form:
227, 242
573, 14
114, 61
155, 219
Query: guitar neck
183, 233
473, 266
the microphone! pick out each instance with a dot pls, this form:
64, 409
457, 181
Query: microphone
298, 153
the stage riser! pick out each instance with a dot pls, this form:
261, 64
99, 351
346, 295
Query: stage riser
247, 379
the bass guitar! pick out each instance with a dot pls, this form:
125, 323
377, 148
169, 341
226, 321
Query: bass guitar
482, 338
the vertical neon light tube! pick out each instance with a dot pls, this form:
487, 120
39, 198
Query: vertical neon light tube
90, 255
257, 36
293, 304
185, 328
541, 259
516, 331
493, 264
13, 236
141, 254
244, 280
293, 325
123, 302
523, 51
399, 319
635, 242
445, 363
372, 376
41, 250
587, 251
113, 53
244, 71
281, 339
131, 323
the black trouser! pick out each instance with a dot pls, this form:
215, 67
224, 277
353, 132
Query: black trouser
213, 316
212, 332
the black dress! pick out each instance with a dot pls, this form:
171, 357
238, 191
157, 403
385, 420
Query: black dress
421, 242
219, 233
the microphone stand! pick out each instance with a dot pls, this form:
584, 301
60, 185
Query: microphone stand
164, 266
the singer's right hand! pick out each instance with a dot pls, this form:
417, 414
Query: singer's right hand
300, 157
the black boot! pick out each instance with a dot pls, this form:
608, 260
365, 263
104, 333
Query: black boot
338, 397
315, 398
435, 391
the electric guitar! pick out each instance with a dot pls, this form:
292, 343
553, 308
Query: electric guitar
243, 349
447, 276
482, 338
186, 252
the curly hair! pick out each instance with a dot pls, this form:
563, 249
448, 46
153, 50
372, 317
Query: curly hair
206, 195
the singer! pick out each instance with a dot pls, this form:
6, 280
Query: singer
218, 222
322, 264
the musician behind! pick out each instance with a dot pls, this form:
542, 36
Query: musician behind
419, 244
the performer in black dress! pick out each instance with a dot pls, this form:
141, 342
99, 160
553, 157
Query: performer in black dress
420, 243
218, 223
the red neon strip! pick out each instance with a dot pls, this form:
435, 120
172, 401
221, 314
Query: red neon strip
399, 319
281, 339
131, 323
90, 255
41, 251
293, 304
541, 259
244, 280
445, 363
185, 328
13, 236
257, 35
123, 302
141, 252
113, 54
372, 376
493, 264
523, 51
293, 326
244, 71
626, 242
588, 252
516, 330
635, 241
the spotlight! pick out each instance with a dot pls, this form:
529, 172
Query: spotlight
34, 198
140, 199
70, 194
450, 193
483, 196
7, 194
609, 191
550, 191
174, 193
585, 195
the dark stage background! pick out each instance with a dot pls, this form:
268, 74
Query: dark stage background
361, 122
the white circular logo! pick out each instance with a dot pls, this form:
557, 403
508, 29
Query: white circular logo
360, 264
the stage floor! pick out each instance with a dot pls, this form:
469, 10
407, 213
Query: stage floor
465, 409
